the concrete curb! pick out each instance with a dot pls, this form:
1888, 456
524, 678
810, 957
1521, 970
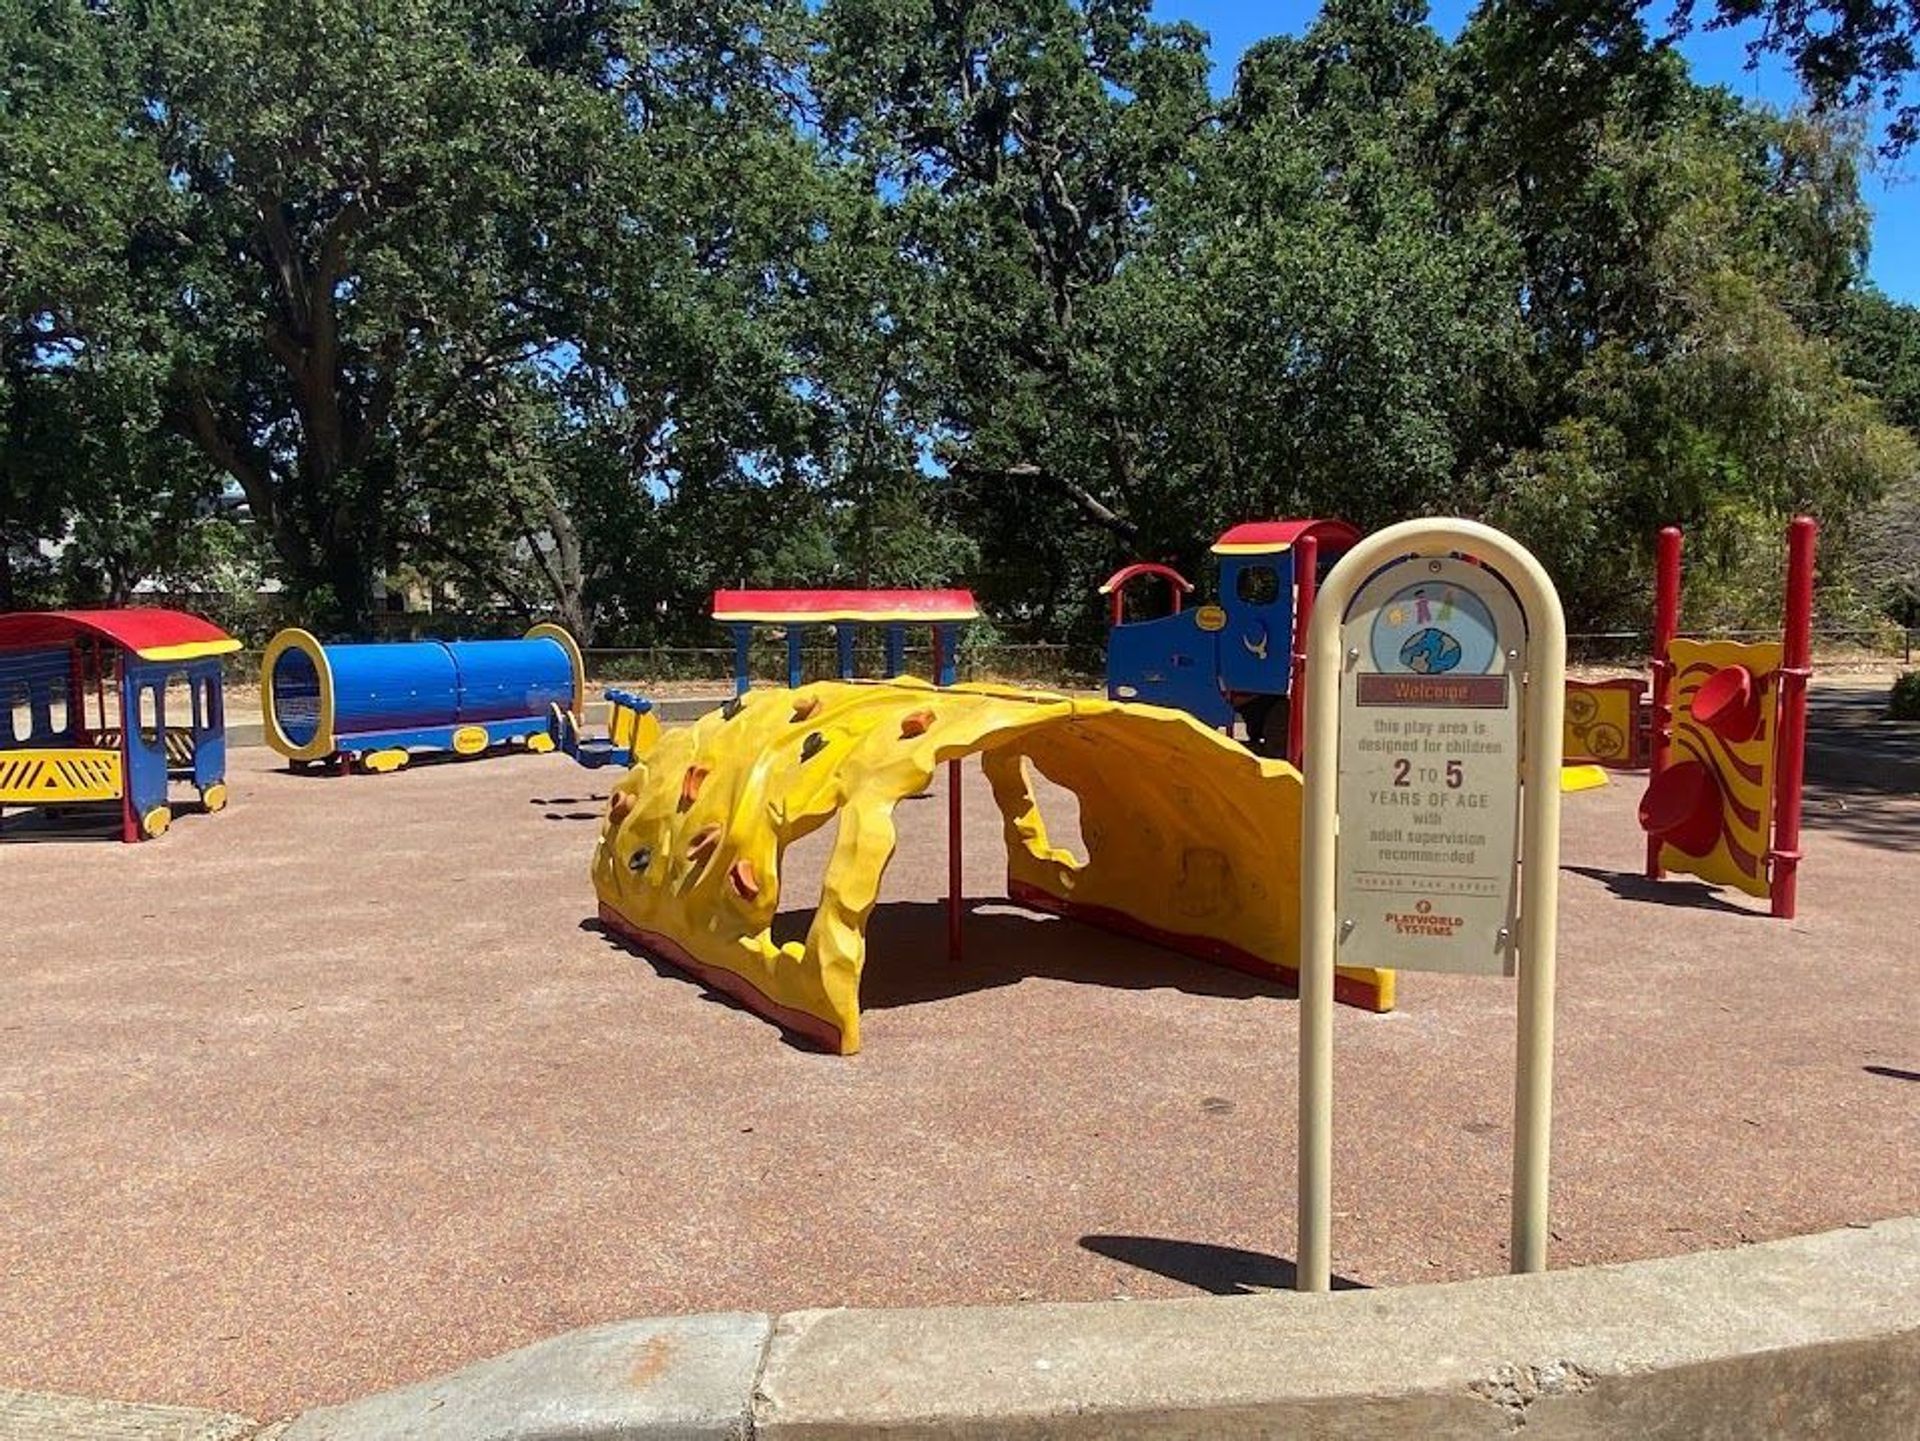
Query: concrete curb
1815, 1336
37, 1416
682, 1379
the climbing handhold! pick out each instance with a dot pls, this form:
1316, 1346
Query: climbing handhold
805, 706
917, 724
741, 877
703, 842
640, 859
621, 805
732, 708
812, 745
690, 784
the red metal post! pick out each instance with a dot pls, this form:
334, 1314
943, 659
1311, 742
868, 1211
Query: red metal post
1666, 623
1791, 742
955, 886
1306, 583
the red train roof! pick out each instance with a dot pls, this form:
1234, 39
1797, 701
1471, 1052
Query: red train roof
873, 606
1261, 537
149, 632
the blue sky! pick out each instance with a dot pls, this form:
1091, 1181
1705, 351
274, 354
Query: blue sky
1718, 58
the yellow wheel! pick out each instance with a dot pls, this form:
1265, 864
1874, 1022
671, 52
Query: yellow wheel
539, 744
155, 822
214, 797
380, 762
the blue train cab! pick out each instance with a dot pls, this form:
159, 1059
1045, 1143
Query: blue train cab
1234, 659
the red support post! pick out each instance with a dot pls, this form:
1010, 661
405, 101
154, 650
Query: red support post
955, 885
1666, 624
1791, 742
1306, 584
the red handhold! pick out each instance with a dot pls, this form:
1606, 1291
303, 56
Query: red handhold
916, 724
1682, 808
1728, 704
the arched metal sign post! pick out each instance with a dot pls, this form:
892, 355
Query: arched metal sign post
1436, 666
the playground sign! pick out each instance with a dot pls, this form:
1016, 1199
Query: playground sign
1429, 769
1436, 681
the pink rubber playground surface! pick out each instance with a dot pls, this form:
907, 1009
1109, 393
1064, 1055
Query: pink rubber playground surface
343, 1088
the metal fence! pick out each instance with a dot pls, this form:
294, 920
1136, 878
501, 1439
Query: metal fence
1081, 666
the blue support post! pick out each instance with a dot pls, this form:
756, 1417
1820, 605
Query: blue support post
843, 634
796, 637
742, 642
896, 651
945, 661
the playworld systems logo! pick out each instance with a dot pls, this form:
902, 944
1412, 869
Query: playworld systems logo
1422, 921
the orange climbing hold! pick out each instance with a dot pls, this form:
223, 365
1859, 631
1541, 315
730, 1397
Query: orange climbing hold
804, 707
703, 842
917, 724
690, 784
741, 877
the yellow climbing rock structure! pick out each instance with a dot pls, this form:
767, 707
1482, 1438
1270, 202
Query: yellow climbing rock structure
1191, 840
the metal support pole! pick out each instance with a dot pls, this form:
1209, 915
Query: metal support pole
742, 645
896, 651
1791, 743
1666, 624
796, 639
945, 668
956, 885
843, 633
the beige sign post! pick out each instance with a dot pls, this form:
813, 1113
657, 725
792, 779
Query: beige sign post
1432, 815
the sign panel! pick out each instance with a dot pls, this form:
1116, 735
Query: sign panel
1426, 874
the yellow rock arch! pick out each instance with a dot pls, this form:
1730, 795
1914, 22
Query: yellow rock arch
1191, 839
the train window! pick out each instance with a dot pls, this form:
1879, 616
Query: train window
1258, 585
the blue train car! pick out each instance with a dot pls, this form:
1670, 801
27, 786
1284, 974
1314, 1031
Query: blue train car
84, 713
380, 704
1234, 659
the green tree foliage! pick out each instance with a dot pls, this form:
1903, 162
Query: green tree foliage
584, 309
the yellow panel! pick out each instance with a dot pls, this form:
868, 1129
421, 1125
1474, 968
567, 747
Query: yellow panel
52, 777
1189, 836
1582, 778
1600, 719
1745, 771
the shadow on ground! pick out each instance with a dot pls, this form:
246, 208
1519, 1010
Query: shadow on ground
1691, 895
1217, 1270
1004, 944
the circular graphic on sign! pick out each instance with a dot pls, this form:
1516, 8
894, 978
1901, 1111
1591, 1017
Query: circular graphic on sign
1432, 628
1430, 652
1582, 708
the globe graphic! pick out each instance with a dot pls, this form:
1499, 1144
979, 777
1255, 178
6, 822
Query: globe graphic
1430, 651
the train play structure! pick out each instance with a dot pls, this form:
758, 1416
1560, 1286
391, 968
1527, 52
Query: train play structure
378, 705
86, 696
1243, 656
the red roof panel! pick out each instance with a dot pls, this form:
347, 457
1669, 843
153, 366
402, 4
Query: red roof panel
149, 632
873, 606
1258, 535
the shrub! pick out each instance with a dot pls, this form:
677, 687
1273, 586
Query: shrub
1905, 703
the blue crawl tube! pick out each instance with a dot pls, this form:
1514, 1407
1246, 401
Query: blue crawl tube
321, 701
